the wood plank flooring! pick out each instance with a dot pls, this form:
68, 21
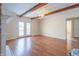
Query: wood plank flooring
38, 46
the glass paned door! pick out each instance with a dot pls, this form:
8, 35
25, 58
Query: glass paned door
21, 28
28, 28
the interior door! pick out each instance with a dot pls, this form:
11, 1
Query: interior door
69, 29
69, 34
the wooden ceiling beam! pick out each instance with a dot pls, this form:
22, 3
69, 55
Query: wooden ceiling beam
39, 5
35, 17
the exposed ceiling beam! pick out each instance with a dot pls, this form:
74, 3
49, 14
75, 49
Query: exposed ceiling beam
35, 17
60, 10
39, 5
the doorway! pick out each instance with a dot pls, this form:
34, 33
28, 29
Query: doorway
72, 33
69, 29
69, 33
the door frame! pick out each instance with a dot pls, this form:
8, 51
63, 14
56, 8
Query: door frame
72, 18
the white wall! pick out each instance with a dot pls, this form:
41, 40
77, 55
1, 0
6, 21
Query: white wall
55, 25
76, 27
69, 27
35, 27
12, 26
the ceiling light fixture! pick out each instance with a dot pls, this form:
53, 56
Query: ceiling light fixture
42, 15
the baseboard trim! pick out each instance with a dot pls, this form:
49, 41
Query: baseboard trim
23, 37
76, 37
36, 36
52, 37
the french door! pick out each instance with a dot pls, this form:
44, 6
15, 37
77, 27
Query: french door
28, 28
24, 28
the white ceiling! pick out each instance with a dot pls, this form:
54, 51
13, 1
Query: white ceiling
48, 8
20, 8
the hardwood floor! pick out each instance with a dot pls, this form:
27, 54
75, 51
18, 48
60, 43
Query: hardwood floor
75, 43
38, 46
72, 42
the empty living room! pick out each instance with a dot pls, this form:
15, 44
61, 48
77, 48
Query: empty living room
39, 29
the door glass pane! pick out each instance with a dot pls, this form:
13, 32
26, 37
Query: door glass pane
28, 28
21, 28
